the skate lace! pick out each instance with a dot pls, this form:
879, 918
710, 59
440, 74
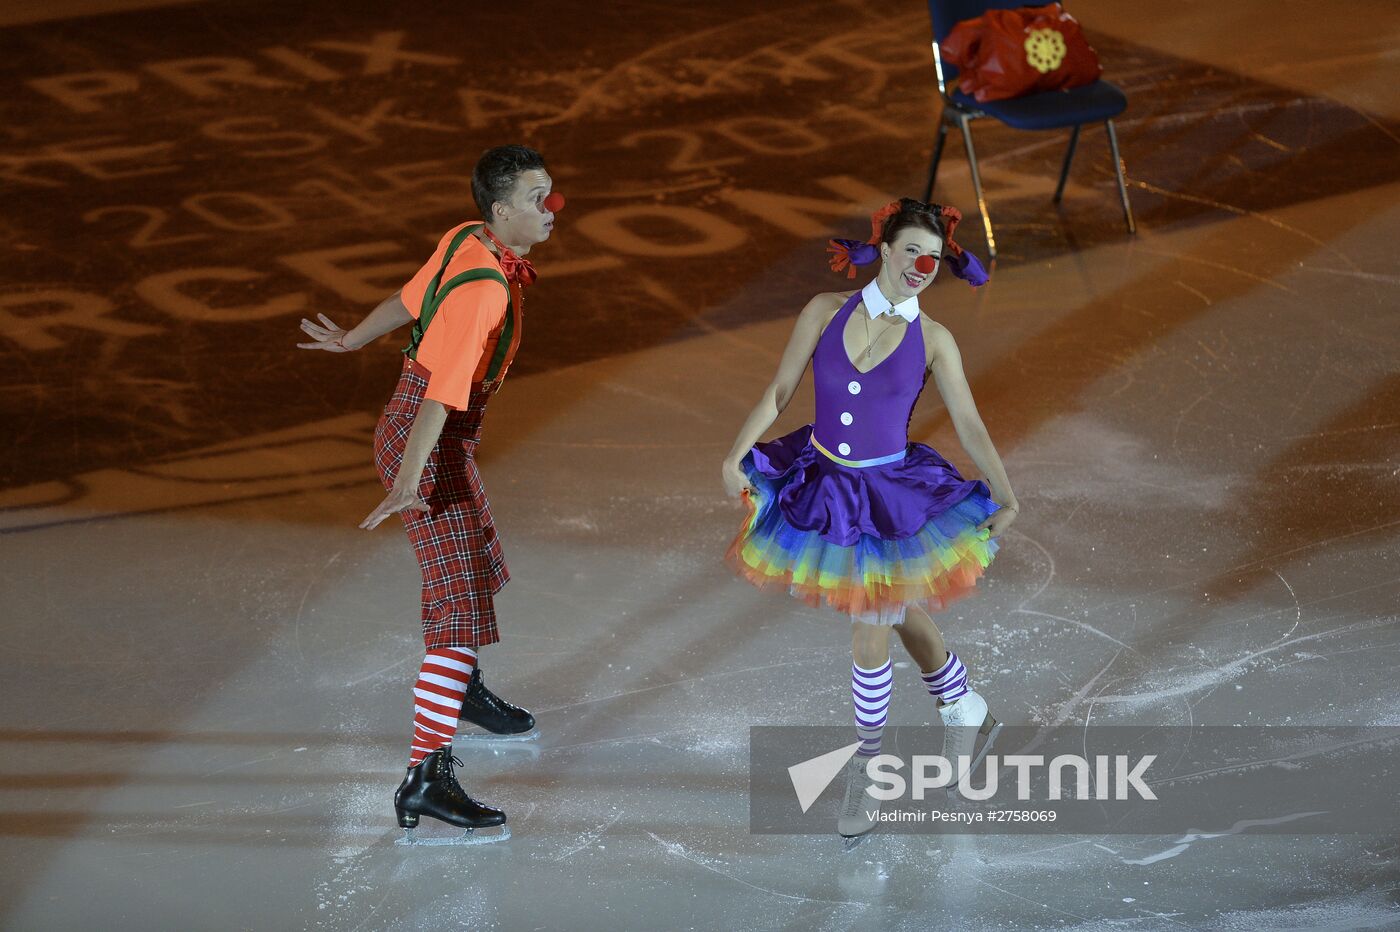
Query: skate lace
856, 785
449, 777
495, 702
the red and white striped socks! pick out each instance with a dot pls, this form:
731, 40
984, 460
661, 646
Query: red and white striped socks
437, 699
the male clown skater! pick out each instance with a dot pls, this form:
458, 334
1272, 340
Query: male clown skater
465, 306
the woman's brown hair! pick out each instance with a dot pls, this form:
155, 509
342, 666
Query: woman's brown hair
912, 213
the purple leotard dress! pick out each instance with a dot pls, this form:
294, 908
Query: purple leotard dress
850, 513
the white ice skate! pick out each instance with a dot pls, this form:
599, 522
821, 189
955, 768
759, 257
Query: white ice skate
859, 809
964, 721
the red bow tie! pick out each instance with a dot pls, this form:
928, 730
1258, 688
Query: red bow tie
516, 269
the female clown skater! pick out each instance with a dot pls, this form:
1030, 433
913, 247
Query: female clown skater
848, 512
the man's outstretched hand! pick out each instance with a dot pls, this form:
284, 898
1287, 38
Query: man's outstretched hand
395, 502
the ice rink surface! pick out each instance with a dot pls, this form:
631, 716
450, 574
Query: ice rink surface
206, 666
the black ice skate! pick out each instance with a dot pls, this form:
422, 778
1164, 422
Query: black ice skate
501, 720
431, 789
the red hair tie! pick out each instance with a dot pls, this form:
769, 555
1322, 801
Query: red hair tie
951, 218
880, 218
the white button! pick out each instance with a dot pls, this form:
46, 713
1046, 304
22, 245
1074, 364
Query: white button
846, 418
844, 449
854, 388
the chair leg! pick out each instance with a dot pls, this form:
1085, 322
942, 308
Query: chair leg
937, 157
977, 185
1122, 185
1064, 169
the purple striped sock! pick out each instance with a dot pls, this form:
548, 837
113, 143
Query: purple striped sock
949, 682
870, 694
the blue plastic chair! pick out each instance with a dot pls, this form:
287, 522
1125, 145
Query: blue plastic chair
1049, 110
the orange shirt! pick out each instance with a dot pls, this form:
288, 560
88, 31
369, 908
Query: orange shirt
463, 335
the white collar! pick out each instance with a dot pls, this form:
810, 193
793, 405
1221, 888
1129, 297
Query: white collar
876, 303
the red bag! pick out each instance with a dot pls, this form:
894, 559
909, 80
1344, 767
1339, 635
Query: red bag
1011, 53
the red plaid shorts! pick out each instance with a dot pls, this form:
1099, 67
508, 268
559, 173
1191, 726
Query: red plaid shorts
456, 544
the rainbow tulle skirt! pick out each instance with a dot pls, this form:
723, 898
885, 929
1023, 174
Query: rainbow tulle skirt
862, 540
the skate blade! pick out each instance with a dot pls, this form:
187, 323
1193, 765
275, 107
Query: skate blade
477, 836
989, 738
485, 737
986, 746
852, 842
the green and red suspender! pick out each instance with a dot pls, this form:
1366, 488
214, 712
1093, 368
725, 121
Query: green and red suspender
436, 293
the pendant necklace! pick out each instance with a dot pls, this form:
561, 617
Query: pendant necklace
870, 343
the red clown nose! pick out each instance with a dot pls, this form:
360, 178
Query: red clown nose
554, 203
925, 264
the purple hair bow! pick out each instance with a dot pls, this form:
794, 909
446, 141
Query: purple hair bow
968, 267
849, 253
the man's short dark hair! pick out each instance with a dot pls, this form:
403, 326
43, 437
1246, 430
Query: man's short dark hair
495, 174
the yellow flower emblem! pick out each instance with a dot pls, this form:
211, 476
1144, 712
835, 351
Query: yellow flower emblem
1045, 49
